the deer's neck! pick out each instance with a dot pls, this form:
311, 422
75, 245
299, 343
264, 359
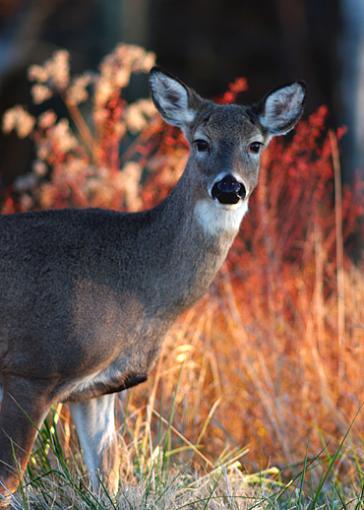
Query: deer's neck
189, 240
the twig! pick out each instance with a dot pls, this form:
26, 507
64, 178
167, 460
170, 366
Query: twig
81, 126
339, 256
181, 436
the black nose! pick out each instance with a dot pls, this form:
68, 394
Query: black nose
228, 190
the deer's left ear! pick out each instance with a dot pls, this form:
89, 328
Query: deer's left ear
281, 109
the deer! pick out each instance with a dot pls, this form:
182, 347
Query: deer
87, 295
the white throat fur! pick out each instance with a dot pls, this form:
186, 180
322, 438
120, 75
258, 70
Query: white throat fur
216, 218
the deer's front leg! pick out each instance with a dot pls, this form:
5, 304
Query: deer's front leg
95, 424
24, 406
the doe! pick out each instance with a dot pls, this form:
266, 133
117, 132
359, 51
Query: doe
86, 296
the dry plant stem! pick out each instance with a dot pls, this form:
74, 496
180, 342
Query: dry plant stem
141, 139
151, 403
181, 436
319, 305
263, 204
82, 127
339, 257
65, 423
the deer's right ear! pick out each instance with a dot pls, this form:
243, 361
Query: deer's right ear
176, 102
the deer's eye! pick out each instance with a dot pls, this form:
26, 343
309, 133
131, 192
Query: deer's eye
201, 145
255, 147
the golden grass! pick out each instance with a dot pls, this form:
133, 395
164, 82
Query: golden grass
274, 385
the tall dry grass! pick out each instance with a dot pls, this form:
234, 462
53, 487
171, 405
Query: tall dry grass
272, 357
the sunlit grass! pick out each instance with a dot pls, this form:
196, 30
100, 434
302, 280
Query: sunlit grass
162, 477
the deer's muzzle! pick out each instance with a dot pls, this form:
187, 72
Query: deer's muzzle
228, 190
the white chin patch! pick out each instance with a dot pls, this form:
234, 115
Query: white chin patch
216, 218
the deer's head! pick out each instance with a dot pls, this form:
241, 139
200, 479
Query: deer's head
226, 141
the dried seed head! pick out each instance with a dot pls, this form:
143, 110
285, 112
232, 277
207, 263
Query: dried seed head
19, 120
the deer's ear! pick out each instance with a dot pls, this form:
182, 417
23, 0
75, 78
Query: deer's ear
177, 103
281, 109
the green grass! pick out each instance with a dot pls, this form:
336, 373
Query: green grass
163, 478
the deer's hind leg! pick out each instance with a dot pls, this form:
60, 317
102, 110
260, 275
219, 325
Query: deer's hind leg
95, 424
24, 406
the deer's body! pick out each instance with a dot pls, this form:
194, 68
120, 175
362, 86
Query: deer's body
86, 296
111, 285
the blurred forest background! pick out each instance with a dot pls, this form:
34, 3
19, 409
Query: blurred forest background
207, 43
274, 354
